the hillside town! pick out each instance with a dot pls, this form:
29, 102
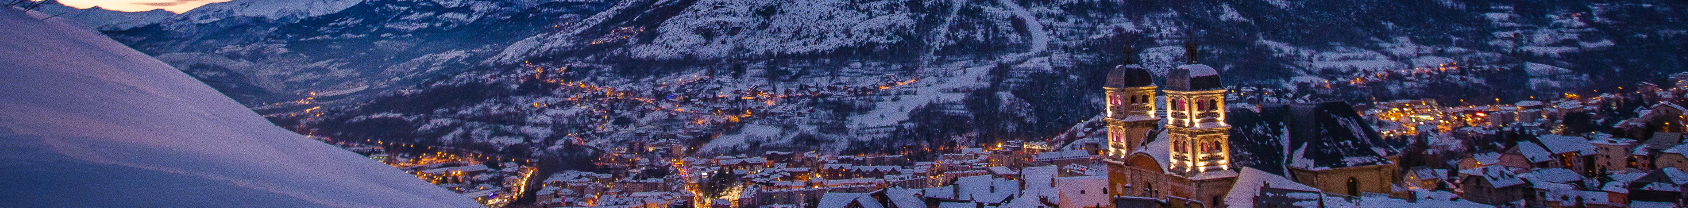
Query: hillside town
1190, 143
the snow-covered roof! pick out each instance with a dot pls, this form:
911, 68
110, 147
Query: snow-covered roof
1488, 158
1193, 77
986, 189
1083, 191
1664, 140
1249, 181
1321, 135
1651, 204
1556, 175
1040, 181
1564, 144
1157, 150
1496, 176
1063, 155
1124, 76
93, 108
1679, 149
1001, 170
1214, 175
1528, 103
1533, 152
902, 197
842, 200
1424, 173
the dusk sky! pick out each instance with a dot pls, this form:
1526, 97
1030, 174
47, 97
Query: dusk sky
177, 6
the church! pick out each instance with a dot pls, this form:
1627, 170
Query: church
1181, 154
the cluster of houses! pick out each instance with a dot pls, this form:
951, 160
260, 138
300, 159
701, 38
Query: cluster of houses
1613, 150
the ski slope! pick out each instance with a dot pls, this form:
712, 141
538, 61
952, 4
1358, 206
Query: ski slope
88, 122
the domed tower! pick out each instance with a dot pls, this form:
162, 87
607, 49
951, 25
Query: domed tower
1196, 119
1131, 105
1131, 119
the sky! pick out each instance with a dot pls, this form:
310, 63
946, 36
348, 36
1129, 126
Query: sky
177, 6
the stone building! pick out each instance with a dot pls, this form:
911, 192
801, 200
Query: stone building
1183, 154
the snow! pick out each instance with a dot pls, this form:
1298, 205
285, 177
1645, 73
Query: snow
1499, 176
1559, 144
1159, 149
1040, 181
1543, 70
840, 200
1083, 191
1487, 158
1200, 70
1232, 15
902, 197
1555, 175
1533, 152
91, 122
102, 19
1650, 204
271, 9
1248, 184
1679, 149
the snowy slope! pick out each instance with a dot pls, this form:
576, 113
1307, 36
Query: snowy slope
88, 122
102, 19
266, 8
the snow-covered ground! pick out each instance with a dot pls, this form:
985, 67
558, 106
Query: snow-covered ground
88, 122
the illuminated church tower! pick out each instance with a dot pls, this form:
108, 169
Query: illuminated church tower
1184, 161
1196, 118
1131, 107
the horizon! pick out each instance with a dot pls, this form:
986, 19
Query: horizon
172, 6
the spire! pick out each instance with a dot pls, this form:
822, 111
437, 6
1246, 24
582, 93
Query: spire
1129, 54
1191, 52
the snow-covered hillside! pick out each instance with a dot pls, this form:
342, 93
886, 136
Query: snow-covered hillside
88, 122
102, 19
529, 76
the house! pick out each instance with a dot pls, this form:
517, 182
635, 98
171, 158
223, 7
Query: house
1662, 185
986, 190
1492, 185
849, 200
1569, 152
1614, 153
1084, 192
1534, 154
1262, 189
1425, 177
1553, 185
1672, 158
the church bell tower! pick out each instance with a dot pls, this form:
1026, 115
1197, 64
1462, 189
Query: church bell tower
1130, 115
1196, 118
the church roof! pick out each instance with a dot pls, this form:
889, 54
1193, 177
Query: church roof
1319, 136
1125, 76
1159, 150
1193, 77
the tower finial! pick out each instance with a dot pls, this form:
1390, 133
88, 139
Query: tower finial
1191, 52
1130, 55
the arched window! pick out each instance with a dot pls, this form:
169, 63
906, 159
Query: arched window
1146, 98
1353, 187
